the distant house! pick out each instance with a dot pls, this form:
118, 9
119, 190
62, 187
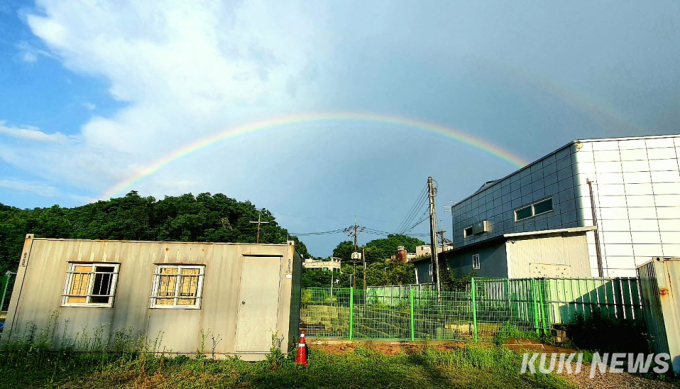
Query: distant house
618, 199
426, 249
326, 265
242, 294
422, 262
423, 269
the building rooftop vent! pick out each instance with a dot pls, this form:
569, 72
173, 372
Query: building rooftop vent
485, 185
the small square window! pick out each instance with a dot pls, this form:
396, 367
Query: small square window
475, 261
90, 285
467, 232
177, 286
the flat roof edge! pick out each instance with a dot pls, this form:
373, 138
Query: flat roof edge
161, 242
549, 232
504, 237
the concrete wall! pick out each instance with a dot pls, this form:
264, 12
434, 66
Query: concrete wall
566, 250
43, 272
492, 260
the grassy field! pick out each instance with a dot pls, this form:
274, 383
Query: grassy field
465, 367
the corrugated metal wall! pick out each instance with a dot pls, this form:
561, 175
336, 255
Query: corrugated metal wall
43, 271
614, 297
659, 279
571, 250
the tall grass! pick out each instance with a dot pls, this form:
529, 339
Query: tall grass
40, 358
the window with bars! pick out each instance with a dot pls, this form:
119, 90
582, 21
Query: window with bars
177, 286
90, 284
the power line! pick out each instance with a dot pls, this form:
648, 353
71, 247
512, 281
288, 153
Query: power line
338, 231
413, 212
424, 217
367, 230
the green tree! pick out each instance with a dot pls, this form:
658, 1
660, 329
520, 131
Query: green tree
202, 218
385, 248
344, 250
316, 278
379, 274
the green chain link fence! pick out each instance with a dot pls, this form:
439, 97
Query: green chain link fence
477, 312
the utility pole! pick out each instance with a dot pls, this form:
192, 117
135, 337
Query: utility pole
440, 234
433, 234
363, 256
355, 234
258, 222
355, 255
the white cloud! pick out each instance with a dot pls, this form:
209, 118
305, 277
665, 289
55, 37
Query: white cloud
185, 70
30, 53
31, 134
89, 106
30, 187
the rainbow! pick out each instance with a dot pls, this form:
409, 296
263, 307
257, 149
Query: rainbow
232, 132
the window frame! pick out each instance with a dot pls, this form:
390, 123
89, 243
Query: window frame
69, 281
476, 262
156, 282
532, 206
465, 232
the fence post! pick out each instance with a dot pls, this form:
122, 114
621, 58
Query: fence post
413, 321
351, 313
541, 291
474, 308
533, 295
5, 285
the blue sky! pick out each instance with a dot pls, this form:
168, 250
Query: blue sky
93, 92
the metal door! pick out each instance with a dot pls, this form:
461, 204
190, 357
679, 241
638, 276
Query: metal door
258, 303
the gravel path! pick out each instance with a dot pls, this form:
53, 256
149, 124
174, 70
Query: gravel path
612, 380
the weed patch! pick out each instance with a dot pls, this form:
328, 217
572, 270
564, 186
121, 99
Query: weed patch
26, 365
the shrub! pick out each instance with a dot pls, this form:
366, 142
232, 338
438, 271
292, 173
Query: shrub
604, 333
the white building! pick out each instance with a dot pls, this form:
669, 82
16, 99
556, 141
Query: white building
326, 265
426, 249
628, 188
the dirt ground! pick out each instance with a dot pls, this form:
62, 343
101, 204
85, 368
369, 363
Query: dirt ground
383, 347
582, 380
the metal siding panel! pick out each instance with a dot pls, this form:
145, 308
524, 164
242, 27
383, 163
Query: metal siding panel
176, 330
667, 272
558, 250
259, 295
652, 307
493, 262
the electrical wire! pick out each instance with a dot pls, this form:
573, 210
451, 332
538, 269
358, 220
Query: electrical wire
338, 231
413, 212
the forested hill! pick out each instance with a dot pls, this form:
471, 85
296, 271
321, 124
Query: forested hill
202, 218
